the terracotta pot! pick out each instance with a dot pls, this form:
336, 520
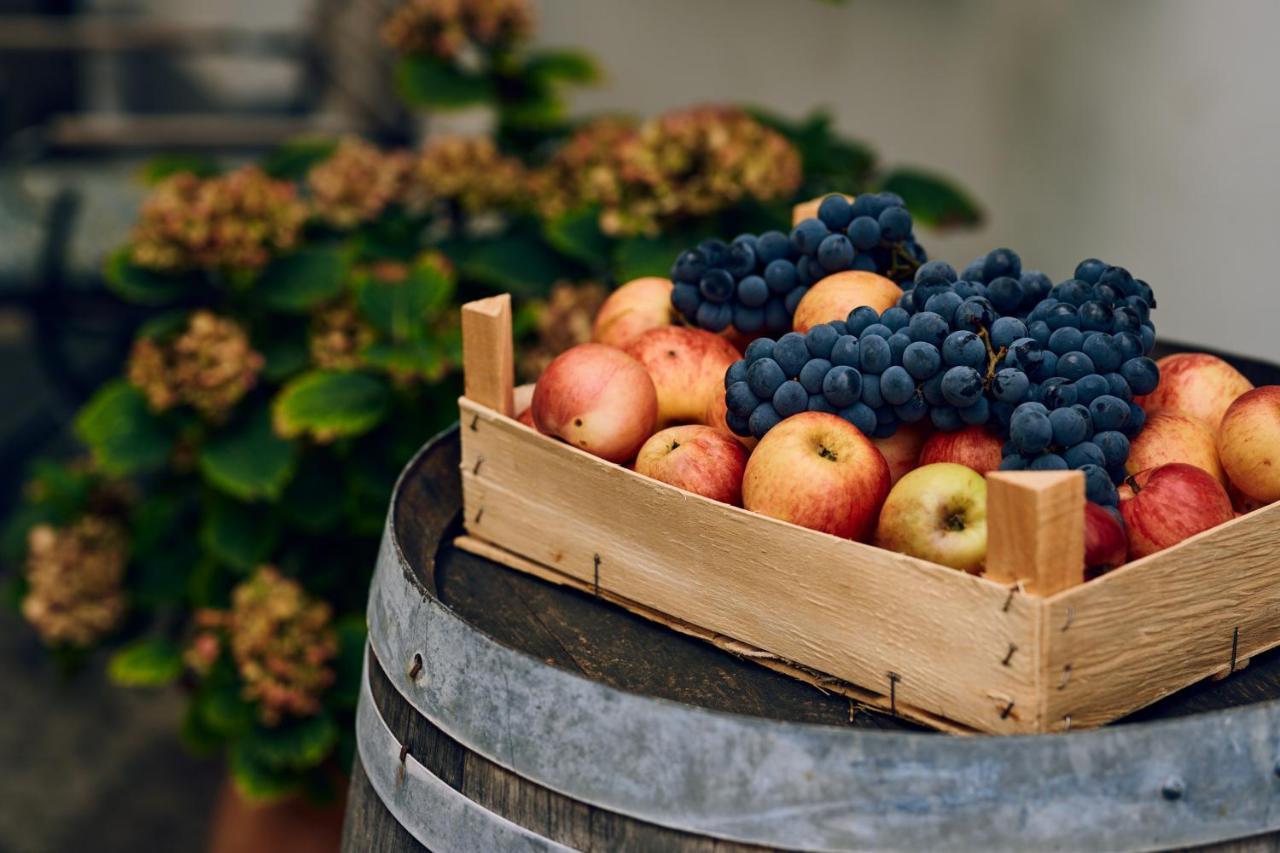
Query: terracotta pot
291, 825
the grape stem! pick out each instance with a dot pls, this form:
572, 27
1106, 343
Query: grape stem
993, 357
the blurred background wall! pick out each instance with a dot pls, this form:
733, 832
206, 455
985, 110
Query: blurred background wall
1145, 132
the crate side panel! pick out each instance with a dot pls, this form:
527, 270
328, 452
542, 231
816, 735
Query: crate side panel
1163, 623
849, 610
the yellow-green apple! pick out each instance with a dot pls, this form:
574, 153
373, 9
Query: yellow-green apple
973, 447
902, 449
1106, 545
714, 417
687, 367
1249, 443
638, 306
696, 458
1163, 506
1169, 437
835, 296
597, 398
1197, 385
809, 209
818, 471
938, 513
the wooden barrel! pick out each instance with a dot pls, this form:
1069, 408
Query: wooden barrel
500, 712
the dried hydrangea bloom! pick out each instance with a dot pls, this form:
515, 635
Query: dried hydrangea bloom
563, 321
75, 577
695, 162
467, 172
446, 28
209, 367
338, 337
231, 223
281, 641
585, 170
357, 183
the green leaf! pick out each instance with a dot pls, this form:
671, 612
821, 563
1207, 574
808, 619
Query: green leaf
239, 535
249, 461
831, 163
349, 666
578, 235
149, 662
569, 66
285, 348
164, 165
196, 735
329, 404
165, 324
401, 309
302, 280
258, 781
519, 262
932, 199
312, 500
137, 284
418, 358
294, 744
295, 157
121, 431
429, 82
223, 710
641, 256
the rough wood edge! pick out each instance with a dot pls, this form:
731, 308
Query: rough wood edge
825, 683
1035, 529
488, 357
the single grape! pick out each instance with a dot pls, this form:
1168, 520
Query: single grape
1005, 294
753, 292
928, 328
1030, 430
842, 386
1104, 351
895, 318
1109, 413
686, 298
1072, 292
758, 349
1137, 419
864, 262
763, 418
876, 355
961, 386
835, 253
1065, 340
861, 416
962, 348
741, 257
763, 378
1035, 287
1006, 330
943, 304
871, 390
1069, 426
846, 352
781, 275
931, 388
897, 386
836, 212
812, 374
747, 319
939, 271
1039, 330
1075, 365
792, 300
1084, 453
791, 398
877, 330
1142, 374
1095, 317
1114, 446
898, 343
739, 424
820, 339
808, 235
1001, 262
1098, 486
772, 246
1048, 462
1013, 462
690, 266
912, 411
895, 223
1118, 386
864, 233
1090, 270
977, 414
714, 317
739, 398
1062, 315
1010, 385
860, 318
973, 314
716, 285
737, 372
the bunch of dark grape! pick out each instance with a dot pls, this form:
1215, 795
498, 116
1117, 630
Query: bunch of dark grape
872, 233
751, 283
755, 282
1052, 368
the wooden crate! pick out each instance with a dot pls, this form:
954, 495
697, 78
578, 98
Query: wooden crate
1028, 647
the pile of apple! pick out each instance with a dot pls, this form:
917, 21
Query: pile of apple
650, 394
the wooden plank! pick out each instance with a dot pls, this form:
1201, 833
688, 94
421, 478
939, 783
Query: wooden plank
487, 354
1035, 529
824, 683
1164, 622
944, 642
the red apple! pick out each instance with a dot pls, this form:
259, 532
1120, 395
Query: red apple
1106, 545
1249, 443
818, 471
835, 296
597, 398
1169, 437
714, 417
1197, 385
1165, 505
902, 449
698, 459
938, 513
636, 307
522, 398
687, 367
973, 447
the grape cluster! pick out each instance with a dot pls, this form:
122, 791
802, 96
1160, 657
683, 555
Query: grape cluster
751, 283
1052, 368
755, 282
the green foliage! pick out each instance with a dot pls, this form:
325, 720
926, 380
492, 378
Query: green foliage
933, 199
148, 662
123, 434
249, 461
238, 535
160, 167
292, 159
135, 284
425, 81
519, 261
577, 234
330, 404
304, 279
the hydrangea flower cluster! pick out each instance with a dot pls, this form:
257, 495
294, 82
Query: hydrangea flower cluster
357, 183
209, 367
446, 29
466, 171
75, 577
281, 641
232, 222
338, 336
564, 320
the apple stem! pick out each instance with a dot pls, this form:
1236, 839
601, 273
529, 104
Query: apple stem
1132, 482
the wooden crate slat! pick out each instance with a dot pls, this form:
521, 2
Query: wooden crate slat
1163, 623
855, 612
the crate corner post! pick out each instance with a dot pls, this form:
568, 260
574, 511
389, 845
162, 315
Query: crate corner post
488, 354
1035, 529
